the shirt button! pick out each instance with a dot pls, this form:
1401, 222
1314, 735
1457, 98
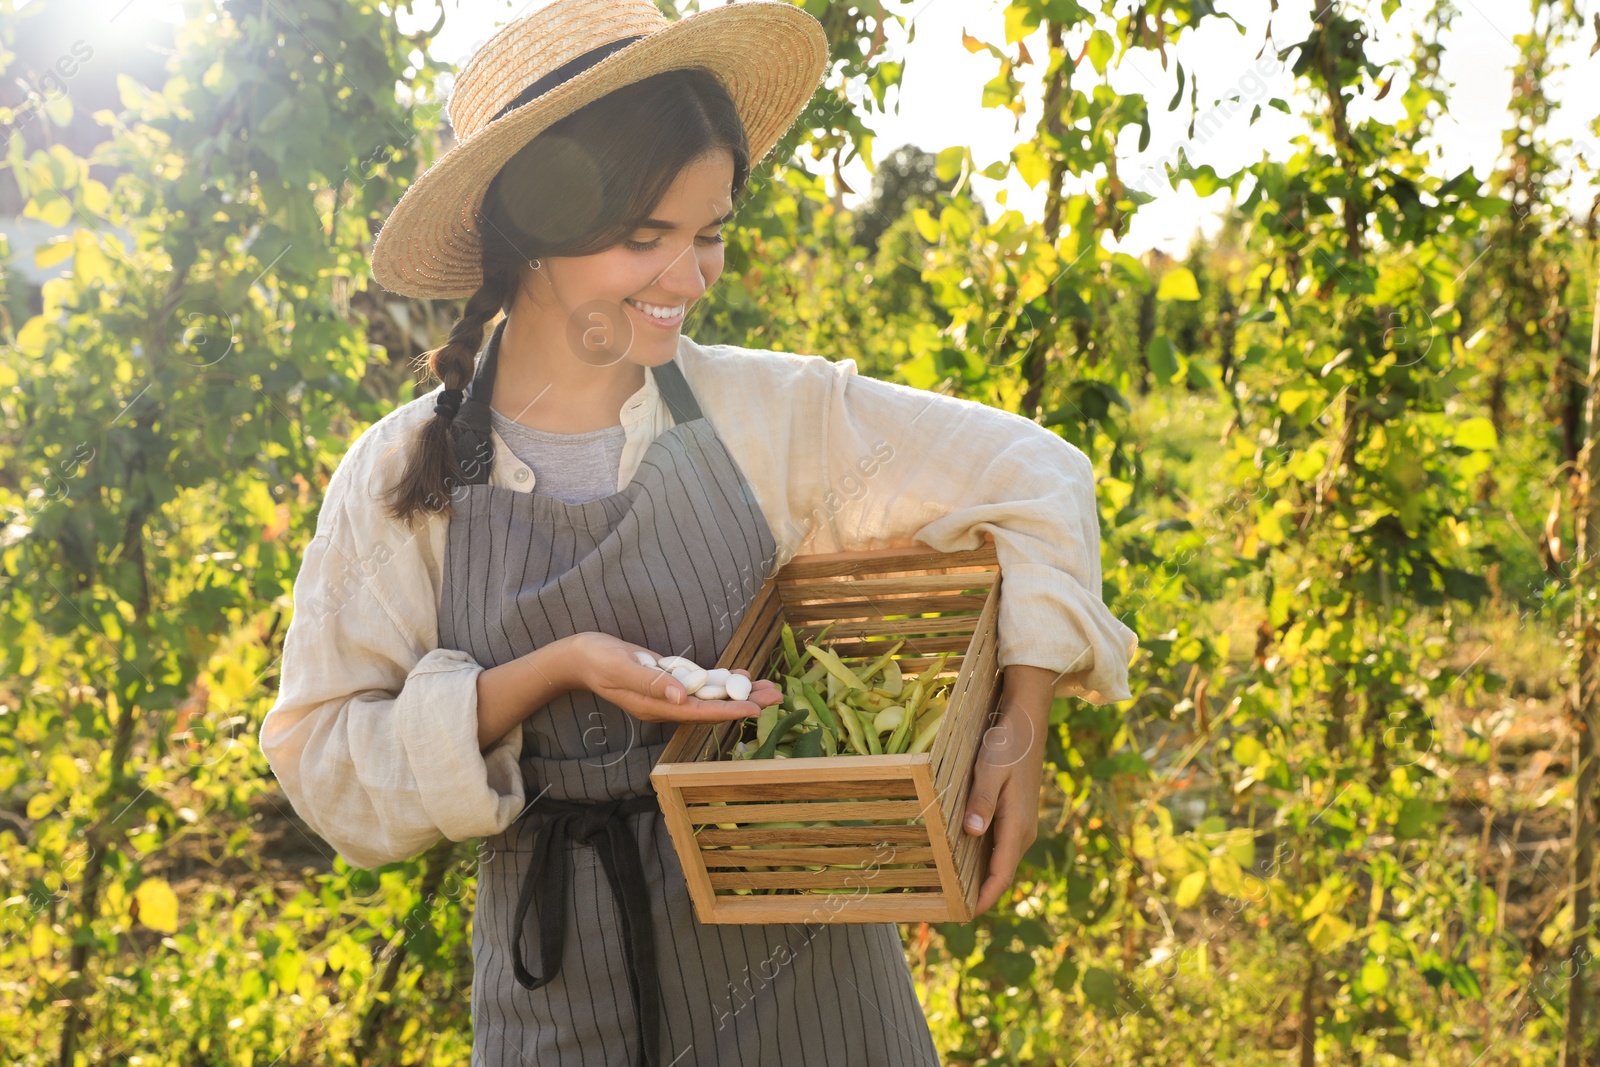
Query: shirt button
521, 475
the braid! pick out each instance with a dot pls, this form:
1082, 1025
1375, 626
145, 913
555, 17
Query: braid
432, 470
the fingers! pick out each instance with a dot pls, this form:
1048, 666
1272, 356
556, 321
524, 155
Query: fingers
987, 781
659, 683
997, 799
685, 707
697, 710
1007, 854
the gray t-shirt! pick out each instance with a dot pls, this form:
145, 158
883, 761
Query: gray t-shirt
572, 467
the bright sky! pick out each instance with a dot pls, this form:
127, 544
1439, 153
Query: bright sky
939, 102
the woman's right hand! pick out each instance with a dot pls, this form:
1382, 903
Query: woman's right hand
606, 667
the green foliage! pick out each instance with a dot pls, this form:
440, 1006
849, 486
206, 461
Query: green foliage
1320, 438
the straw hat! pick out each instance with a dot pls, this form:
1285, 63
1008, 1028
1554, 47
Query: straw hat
769, 55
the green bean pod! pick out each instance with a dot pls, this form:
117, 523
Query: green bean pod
808, 745
897, 740
824, 713
926, 733
836, 667
769, 746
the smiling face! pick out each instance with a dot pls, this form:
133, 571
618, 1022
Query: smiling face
630, 301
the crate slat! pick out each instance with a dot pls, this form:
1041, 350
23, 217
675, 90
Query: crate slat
811, 856
915, 629
810, 769
815, 615
976, 689
928, 647
813, 811
829, 907
862, 788
887, 834
794, 593
843, 878
879, 561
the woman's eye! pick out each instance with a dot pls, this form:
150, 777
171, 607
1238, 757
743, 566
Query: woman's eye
645, 246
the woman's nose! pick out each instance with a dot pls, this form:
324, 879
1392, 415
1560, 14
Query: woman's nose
683, 276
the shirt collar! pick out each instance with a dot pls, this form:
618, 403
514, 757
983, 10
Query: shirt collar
509, 472
642, 402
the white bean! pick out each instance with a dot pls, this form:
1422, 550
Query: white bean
672, 663
711, 692
718, 676
738, 687
691, 677
645, 659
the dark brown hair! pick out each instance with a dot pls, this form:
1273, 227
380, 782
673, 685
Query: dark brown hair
579, 187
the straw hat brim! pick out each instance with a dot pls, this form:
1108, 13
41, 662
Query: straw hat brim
770, 56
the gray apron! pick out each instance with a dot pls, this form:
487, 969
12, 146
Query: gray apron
586, 948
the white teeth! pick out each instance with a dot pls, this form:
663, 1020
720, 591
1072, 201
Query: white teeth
656, 311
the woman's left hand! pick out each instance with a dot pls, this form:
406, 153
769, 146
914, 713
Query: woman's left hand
1007, 775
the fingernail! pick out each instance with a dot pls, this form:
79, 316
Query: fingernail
675, 695
975, 823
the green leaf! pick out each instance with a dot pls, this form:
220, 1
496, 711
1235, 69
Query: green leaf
959, 939
1464, 981
1318, 902
1416, 817
1066, 976
1242, 847
1031, 164
1163, 358
1189, 889
1289, 400
1329, 932
1477, 434
1100, 988
947, 165
1226, 876
1100, 48
158, 905
1178, 284
1014, 967
52, 252
1246, 750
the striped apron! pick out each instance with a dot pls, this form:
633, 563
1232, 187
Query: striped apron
586, 948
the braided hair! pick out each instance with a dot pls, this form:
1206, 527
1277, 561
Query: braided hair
432, 468
579, 187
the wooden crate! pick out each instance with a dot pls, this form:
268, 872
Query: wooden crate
928, 868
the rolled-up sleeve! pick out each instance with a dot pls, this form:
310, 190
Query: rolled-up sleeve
373, 735
906, 464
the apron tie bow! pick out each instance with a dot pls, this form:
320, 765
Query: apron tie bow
601, 826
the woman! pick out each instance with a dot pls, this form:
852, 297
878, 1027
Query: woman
591, 483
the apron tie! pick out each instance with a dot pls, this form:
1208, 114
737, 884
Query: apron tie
601, 826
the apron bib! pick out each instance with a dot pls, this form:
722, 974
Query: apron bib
586, 948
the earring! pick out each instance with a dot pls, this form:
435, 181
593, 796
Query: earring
533, 264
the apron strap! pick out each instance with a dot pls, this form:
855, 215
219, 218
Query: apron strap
676, 392
601, 826
470, 429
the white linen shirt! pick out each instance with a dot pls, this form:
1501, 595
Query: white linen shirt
373, 734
